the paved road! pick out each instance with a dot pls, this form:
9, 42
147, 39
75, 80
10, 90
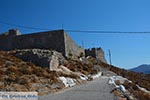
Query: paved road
94, 90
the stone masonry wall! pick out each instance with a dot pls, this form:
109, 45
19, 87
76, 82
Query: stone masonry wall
44, 40
6, 40
97, 53
71, 47
100, 54
90, 52
52, 40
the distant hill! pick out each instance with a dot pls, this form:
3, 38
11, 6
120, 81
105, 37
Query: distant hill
145, 68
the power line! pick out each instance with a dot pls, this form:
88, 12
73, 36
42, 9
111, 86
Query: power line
23, 26
93, 31
77, 31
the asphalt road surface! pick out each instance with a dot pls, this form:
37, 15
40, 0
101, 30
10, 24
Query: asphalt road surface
94, 90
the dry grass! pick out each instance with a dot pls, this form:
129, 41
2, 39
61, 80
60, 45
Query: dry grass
139, 94
18, 74
78, 66
136, 78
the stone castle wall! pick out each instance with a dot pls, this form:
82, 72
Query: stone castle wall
43, 40
56, 40
71, 47
90, 52
6, 40
97, 53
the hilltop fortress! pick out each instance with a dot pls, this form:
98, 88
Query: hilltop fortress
53, 40
57, 40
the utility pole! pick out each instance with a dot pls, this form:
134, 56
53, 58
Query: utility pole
109, 57
82, 44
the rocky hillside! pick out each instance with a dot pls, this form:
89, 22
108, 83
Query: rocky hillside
18, 75
138, 84
40, 57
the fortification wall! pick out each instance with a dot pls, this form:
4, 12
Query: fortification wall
71, 47
6, 41
100, 54
96, 52
90, 52
42, 40
56, 40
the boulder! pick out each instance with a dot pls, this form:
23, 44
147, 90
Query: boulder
54, 63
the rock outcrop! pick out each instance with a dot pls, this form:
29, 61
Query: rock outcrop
44, 58
17, 75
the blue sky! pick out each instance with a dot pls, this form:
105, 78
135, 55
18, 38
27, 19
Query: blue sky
128, 50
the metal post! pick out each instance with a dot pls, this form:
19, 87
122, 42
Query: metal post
109, 57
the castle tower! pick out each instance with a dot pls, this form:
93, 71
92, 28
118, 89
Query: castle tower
97, 53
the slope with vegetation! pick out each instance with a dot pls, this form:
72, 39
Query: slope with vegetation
17, 75
137, 79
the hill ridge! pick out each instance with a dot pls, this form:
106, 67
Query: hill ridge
144, 68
